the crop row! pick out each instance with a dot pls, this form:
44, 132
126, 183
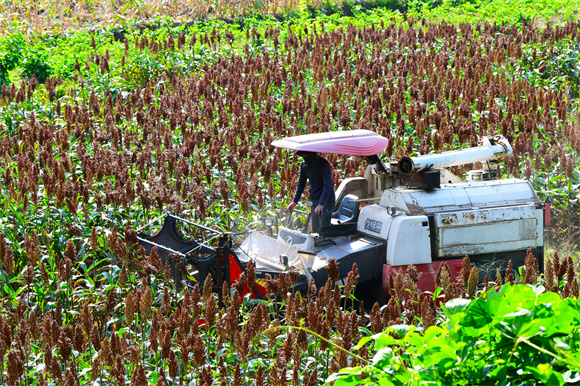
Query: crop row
178, 141
138, 329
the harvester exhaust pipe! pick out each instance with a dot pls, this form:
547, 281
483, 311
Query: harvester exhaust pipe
491, 149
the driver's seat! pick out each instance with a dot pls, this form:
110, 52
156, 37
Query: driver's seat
347, 211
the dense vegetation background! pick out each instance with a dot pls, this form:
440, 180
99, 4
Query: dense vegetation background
113, 113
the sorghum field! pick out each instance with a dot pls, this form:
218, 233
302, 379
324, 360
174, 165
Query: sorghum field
112, 114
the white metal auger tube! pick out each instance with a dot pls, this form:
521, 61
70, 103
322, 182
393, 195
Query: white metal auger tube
492, 149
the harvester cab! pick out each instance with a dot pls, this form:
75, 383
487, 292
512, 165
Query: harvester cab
413, 211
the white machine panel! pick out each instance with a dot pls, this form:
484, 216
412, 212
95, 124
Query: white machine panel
409, 241
374, 221
452, 197
296, 238
491, 230
407, 236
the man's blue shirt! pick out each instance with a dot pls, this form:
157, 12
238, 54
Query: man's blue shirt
318, 172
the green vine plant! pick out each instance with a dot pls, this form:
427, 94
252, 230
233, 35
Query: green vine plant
519, 333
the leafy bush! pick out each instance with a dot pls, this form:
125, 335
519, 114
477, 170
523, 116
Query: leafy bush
540, 12
553, 67
519, 334
11, 47
34, 63
17, 51
351, 7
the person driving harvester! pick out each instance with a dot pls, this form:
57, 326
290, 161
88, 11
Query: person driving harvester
318, 172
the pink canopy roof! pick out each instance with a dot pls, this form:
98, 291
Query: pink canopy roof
351, 142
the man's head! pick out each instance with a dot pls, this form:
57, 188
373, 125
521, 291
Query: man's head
305, 154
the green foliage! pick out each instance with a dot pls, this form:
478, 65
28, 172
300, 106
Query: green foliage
352, 7
517, 334
19, 52
510, 11
553, 67
10, 54
45, 55
34, 63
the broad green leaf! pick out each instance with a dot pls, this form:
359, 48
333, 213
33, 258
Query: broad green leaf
519, 324
477, 314
434, 332
538, 288
545, 374
456, 305
347, 376
561, 318
416, 342
385, 340
500, 372
439, 359
548, 297
382, 357
401, 329
510, 299
544, 311
363, 341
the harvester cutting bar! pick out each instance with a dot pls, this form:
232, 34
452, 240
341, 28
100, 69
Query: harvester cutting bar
159, 246
221, 261
169, 241
196, 225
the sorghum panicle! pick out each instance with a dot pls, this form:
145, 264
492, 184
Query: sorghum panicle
442, 279
570, 271
465, 270
509, 273
472, 282
376, 324
399, 287
549, 274
146, 303
332, 268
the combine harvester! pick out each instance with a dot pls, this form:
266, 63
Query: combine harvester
413, 211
